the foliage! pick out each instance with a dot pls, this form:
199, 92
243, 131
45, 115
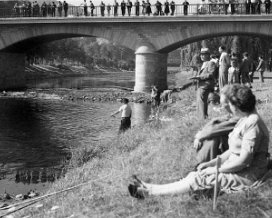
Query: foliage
234, 44
86, 51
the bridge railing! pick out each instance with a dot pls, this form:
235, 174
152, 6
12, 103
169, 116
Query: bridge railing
193, 9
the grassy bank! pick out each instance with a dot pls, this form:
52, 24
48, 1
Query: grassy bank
158, 152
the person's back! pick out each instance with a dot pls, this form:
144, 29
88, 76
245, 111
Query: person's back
247, 129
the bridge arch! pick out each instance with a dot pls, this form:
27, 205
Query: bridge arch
152, 38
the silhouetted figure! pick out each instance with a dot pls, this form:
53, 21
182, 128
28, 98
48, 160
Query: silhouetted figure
129, 6
172, 7
92, 8
248, 5
65, 7
102, 9
123, 8
166, 8
185, 7
137, 8
267, 6
115, 8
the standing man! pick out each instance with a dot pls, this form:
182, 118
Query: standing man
258, 6
102, 8
166, 8
85, 8
185, 7
224, 63
267, 6
137, 8
129, 6
59, 6
115, 8
244, 70
65, 7
248, 5
260, 68
253, 5
172, 7
92, 8
123, 7
205, 82
126, 112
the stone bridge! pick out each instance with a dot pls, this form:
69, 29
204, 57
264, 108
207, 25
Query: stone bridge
152, 38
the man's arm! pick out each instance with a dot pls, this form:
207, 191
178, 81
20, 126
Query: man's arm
217, 129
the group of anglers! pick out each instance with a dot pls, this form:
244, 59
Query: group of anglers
220, 72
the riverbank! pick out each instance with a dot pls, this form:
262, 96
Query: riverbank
158, 152
41, 77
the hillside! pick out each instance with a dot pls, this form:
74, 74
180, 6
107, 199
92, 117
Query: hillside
154, 154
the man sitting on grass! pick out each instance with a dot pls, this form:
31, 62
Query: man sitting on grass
212, 139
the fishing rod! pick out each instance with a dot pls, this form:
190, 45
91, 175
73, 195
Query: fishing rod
35, 200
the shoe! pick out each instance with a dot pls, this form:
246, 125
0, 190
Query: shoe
134, 192
138, 189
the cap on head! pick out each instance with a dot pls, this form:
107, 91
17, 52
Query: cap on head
204, 51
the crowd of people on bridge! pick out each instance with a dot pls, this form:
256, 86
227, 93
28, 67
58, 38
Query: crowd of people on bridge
137, 8
34, 9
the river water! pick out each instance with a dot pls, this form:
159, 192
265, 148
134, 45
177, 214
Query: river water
36, 136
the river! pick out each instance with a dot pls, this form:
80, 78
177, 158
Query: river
36, 136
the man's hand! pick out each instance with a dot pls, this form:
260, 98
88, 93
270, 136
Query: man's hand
197, 144
208, 171
202, 166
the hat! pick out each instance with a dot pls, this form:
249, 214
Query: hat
204, 51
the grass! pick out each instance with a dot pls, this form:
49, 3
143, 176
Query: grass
157, 153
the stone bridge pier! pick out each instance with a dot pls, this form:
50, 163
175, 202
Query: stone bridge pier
150, 69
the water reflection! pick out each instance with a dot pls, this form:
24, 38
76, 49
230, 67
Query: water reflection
37, 175
36, 137
101, 80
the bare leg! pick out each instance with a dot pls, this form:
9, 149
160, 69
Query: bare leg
182, 186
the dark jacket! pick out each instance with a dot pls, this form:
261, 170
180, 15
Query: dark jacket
245, 66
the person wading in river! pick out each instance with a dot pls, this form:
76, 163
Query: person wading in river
126, 112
